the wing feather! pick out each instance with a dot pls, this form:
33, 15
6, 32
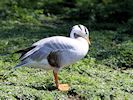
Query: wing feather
24, 51
45, 46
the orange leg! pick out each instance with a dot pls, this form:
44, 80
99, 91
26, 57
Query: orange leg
56, 79
61, 87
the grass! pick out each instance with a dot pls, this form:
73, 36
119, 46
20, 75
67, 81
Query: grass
90, 78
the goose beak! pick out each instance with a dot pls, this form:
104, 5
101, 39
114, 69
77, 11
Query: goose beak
88, 40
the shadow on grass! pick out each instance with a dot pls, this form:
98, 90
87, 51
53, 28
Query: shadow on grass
45, 87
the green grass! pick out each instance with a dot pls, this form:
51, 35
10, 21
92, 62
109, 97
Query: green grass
90, 78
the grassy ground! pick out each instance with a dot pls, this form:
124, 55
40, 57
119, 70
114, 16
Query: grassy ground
90, 78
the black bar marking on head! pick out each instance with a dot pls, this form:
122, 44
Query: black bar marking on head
79, 27
85, 30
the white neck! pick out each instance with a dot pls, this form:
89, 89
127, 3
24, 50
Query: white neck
82, 40
84, 46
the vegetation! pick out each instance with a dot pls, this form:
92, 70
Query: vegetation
106, 73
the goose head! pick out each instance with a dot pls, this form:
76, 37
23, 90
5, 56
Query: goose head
80, 31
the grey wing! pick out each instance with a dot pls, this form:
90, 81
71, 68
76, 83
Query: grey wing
63, 57
40, 54
42, 51
29, 53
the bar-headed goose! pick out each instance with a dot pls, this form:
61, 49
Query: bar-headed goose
57, 52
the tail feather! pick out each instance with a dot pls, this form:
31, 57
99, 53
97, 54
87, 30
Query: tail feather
24, 51
20, 65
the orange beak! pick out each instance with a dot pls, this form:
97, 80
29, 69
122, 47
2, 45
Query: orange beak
88, 40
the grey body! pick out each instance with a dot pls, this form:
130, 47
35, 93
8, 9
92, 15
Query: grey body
57, 51
68, 50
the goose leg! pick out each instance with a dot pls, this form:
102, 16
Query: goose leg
56, 78
61, 87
